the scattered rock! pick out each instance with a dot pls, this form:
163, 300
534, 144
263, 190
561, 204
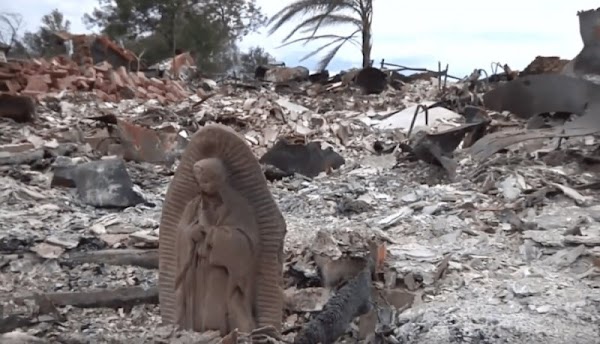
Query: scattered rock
103, 183
48, 251
21, 109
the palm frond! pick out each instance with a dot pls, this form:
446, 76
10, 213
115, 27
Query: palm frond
323, 47
338, 6
355, 42
319, 14
310, 38
324, 62
322, 20
336, 21
297, 8
327, 58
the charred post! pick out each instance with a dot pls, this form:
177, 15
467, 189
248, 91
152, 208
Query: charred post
352, 300
588, 59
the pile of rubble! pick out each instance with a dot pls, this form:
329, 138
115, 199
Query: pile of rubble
470, 258
488, 238
39, 77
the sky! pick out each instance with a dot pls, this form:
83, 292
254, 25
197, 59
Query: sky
466, 34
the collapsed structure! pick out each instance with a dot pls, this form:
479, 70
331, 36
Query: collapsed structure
496, 248
95, 64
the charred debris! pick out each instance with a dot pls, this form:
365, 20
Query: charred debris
392, 186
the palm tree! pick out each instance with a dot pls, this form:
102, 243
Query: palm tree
323, 13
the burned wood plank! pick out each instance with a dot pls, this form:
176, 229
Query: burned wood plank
589, 241
123, 257
35, 155
108, 298
13, 322
143, 258
21, 158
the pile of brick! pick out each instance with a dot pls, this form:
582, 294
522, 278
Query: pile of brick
38, 77
545, 64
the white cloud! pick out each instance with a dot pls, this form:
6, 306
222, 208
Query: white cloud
464, 33
454, 32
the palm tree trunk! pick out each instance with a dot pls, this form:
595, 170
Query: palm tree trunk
366, 45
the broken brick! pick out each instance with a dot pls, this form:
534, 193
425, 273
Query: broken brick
171, 97
7, 75
65, 83
58, 73
134, 78
10, 86
155, 90
33, 94
90, 72
38, 83
38, 61
82, 85
124, 75
116, 79
102, 95
162, 100
103, 67
157, 83
179, 87
127, 92
143, 79
37, 77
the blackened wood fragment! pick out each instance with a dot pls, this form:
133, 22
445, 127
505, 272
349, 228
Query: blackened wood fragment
352, 300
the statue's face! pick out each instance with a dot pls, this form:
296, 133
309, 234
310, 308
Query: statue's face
210, 175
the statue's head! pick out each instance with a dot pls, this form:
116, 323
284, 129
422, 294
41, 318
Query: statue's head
210, 175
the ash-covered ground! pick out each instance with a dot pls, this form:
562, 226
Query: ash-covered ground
519, 232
